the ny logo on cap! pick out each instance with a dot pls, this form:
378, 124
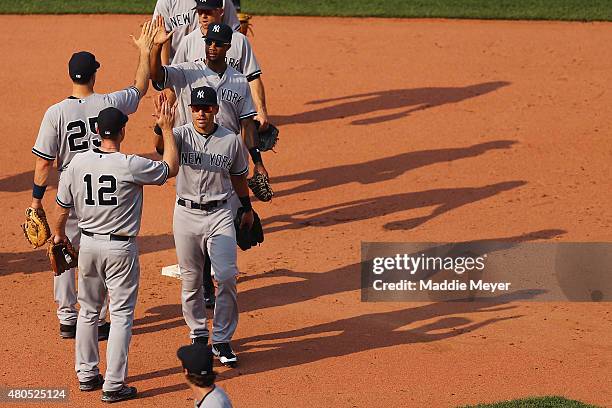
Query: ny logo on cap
216, 28
201, 93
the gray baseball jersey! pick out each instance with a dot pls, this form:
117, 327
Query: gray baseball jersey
240, 56
207, 162
106, 190
179, 15
69, 127
216, 398
233, 92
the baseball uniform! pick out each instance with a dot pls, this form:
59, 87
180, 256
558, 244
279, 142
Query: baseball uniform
179, 15
67, 128
216, 398
240, 56
105, 190
233, 92
203, 222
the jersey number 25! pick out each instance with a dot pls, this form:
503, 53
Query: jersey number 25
77, 130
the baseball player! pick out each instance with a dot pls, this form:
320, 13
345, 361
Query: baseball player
213, 164
67, 128
181, 19
240, 55
105, 187
197, 361
236, 109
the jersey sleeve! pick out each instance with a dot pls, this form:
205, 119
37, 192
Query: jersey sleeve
240, 164
230, 16
47, 142
65, 197
173, 77
126, 100
250, 66
146, 171
246, 107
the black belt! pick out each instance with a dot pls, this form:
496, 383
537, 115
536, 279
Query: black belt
112, 236
211, 205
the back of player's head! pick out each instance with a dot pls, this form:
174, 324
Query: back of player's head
219, 32
82, 66
203, 96
197, 359
110, 122
208, 4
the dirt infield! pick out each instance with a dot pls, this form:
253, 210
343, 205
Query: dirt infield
391, 130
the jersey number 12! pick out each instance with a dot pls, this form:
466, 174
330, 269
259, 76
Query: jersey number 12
107, 186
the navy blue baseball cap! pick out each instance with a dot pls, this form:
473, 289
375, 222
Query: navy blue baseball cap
111, 121
208, 4
82, 65
219, 32
196, 358
203, 96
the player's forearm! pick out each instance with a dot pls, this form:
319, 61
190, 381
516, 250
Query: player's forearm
155, 65
259, 95
41, 176
159, 140
170, 155
165, 53
141, 82
59, 228
240, 185
249, 133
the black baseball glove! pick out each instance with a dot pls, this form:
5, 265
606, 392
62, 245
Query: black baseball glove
246, 238
260, 186
268, 137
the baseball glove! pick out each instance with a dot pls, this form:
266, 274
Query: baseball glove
245, 23
247, 238
268, 137
36, 228
260, 186
62, 256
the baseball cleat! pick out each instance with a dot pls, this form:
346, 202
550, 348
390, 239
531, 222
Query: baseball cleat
202, 339
103, 331
122, 394
67, 331
93, 384
225, 354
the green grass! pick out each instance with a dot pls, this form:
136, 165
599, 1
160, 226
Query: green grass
540, 402
582, 10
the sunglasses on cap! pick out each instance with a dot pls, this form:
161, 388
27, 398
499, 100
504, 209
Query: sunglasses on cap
203, 108
216, 42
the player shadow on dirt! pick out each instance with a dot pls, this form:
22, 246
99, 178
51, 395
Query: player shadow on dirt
308, 286
361, 333
444, 200
382, 169
23, 182
34, 261
366, 103
368, 332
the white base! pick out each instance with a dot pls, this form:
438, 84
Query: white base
172, 271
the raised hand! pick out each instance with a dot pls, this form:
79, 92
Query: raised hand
161, 36
167, 116
147, 35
